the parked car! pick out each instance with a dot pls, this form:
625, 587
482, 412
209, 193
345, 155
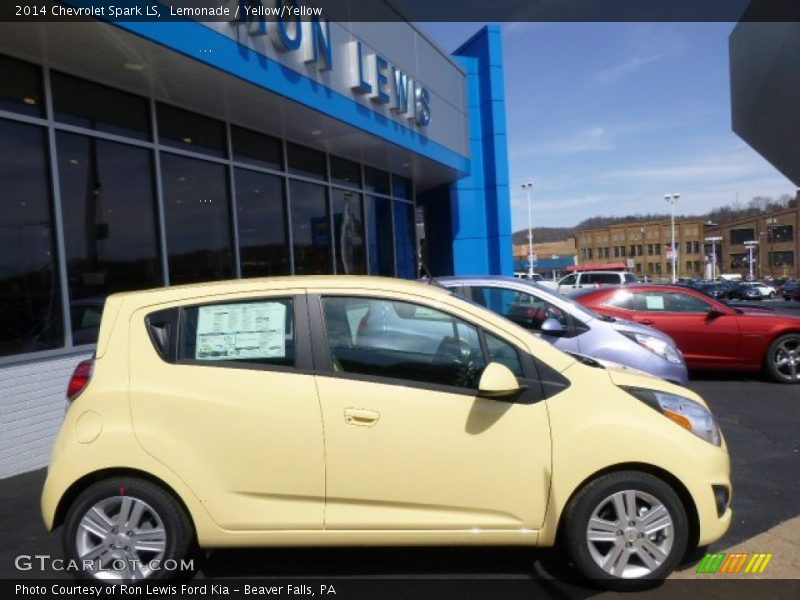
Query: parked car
790, 290
528, 276
710, 334
714, 290
280, 411
572, 327
766, 291
593, 279
745, 291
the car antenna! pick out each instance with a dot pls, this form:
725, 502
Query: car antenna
426, 273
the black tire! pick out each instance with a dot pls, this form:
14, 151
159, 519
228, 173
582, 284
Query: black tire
773, 356
597, 494
157, 504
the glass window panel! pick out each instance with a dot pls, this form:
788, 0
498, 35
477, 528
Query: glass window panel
348, 227
110, 227
376, 181
197, 214
305, 161
740, 236
257, 149
257, 332
524, 309
190, 131
400, 340
31, 315
21, 87
310, 228
261, 214
87, 104
503, 353
380, 237
401, 187
345, 172
404, 230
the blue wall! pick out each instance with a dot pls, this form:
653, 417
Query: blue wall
481, 202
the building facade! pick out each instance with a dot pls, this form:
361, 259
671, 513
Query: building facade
136, 155
775, 250
643, 248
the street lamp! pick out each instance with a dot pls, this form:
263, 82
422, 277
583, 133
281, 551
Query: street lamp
528, 187
672, 199
750, 246
714, 241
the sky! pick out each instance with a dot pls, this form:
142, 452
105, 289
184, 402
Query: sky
606, 118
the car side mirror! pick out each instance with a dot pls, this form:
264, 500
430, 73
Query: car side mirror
497, 381
713, 313
552, 327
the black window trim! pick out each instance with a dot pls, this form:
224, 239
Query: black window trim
532, 388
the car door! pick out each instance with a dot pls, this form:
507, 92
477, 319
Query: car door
529, 311
706, 337
569, 283
221, 392
408, 442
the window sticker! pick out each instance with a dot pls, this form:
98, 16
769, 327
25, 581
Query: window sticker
654, 302
241, 331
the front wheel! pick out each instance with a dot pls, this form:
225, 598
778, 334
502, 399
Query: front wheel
783, 358
626, 530
128, 529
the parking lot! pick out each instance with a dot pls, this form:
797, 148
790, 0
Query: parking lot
760, 420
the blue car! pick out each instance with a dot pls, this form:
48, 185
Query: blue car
572, 327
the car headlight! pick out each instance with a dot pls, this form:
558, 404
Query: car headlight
656, 345
687, 413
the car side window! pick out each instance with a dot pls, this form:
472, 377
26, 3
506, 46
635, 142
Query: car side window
503, 353
401, 340
606, 278
259, 332
524, 309
568, 280
622, 299
669, 302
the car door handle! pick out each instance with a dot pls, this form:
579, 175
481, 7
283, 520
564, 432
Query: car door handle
361, 416
646, 321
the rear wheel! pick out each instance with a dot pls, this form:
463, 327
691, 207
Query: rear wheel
627, 530
783, 358
128, 529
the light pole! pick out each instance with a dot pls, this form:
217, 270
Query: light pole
714, 241
672, 199
528, 187
750, 246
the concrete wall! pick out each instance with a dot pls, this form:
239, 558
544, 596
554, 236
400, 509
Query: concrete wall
32, 404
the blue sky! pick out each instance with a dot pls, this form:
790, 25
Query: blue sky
606, 118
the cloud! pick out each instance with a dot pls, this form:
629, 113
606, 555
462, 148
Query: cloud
630, 66
591, 139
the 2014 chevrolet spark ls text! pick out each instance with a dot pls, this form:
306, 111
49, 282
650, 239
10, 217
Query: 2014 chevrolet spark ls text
282, 412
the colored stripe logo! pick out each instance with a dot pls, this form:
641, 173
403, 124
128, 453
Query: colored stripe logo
734, 563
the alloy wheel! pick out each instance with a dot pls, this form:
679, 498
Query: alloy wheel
122, 538
630, 534
786, 358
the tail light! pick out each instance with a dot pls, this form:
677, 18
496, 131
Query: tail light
80, 379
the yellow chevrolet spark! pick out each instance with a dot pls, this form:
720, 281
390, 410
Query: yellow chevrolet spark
368, 411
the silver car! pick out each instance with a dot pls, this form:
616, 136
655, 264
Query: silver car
572, 327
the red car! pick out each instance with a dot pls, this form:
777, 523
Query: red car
710, 334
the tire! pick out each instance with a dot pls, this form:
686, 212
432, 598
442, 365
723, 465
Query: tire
783, 358
164, 531
772, 295
637, 560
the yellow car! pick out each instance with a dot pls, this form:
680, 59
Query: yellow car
353, 411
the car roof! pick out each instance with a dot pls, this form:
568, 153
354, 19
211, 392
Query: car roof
309, 282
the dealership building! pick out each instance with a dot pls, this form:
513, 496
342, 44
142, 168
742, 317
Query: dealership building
135, 155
